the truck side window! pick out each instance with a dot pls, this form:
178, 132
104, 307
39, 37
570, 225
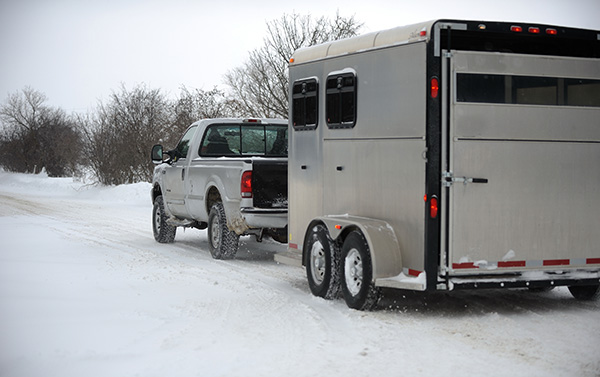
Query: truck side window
341, 100
184, 144
305, 104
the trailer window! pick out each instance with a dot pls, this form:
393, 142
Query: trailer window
341, 101
305, 104
527, 90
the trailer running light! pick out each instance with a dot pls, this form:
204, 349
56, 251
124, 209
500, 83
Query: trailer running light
247, 184
338, 227
550, 31
516, 29
435, 87
534, 30
433, 207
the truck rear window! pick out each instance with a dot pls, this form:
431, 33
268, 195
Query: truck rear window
235, 140
527, 90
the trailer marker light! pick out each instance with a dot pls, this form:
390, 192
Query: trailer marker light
338, 227
292, 60
481, 26
516, 29
551, 31
433, 207
246, 184
435, 87
423, 33
534, 30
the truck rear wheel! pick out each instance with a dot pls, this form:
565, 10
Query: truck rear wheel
585, 292
358, 287
223, 243
163, 232
322, 263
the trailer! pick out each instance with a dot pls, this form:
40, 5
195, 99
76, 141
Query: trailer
446, 155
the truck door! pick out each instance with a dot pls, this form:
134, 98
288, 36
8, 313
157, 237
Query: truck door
522, 149
175, 175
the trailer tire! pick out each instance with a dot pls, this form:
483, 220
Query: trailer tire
223, 243
358, 287
585, 292
163, 232
322, 263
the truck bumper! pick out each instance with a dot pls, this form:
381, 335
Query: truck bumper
265, 218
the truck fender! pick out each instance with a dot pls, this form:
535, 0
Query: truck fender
383, 243
235, 220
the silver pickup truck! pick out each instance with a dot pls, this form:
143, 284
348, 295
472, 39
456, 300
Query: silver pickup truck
225, 175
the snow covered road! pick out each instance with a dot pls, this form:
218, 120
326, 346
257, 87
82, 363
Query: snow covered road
86, 291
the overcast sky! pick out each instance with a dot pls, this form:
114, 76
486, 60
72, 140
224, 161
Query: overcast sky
78, 51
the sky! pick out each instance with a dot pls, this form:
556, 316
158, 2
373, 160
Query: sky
77, 52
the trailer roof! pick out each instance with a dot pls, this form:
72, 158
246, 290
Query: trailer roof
396, 36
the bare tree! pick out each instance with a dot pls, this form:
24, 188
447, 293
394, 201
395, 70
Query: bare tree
122, 133
260, 86
36, 136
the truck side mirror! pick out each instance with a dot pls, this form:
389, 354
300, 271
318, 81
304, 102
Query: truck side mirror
157, 154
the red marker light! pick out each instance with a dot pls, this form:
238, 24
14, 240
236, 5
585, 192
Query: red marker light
534, 30
423, 33
338, 227
433, 207
435, 87
550, 31
516, 29
247, 184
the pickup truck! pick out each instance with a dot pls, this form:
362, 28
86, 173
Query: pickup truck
225, 175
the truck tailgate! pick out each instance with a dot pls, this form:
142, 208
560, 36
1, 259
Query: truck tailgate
270, 183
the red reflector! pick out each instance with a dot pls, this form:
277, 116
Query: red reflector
435, 87
534, 30
433, 207
247, 184
551, 31
516, 29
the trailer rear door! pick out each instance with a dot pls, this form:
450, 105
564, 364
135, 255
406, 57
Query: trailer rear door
523, 157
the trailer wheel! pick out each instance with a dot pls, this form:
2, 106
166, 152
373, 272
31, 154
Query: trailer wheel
358, 287
223, 243
322, 261
585, 292
163, 232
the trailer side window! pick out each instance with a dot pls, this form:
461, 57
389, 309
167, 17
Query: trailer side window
305, 104
527, 90
341, 100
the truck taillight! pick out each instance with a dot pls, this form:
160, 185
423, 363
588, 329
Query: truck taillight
246, 184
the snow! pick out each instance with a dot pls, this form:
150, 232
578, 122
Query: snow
86, 291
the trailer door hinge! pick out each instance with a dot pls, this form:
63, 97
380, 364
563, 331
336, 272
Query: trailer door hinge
448, 179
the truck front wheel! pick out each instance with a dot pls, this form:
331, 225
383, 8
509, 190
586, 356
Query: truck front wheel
322, 261
163, 232
223, 243
358, 287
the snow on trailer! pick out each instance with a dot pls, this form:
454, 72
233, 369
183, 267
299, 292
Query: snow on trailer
446, 155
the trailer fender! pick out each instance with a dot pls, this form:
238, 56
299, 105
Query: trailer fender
383, 244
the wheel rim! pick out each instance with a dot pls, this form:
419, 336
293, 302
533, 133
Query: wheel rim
317, 262
353, 271
215, 234
157, 220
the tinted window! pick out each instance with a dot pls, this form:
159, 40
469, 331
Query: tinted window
341, 101
184, 144
235, 140
305, 104
527, 90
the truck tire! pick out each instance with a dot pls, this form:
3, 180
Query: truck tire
322, 263
163, 232
358, 288
585, 292
223, 243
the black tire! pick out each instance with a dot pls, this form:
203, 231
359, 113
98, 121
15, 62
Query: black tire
585, 292
223, 243
163, 232
322, 263
358, 288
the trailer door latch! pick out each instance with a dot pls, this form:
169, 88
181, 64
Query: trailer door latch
448, 179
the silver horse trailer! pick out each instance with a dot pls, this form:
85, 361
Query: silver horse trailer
446, 155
